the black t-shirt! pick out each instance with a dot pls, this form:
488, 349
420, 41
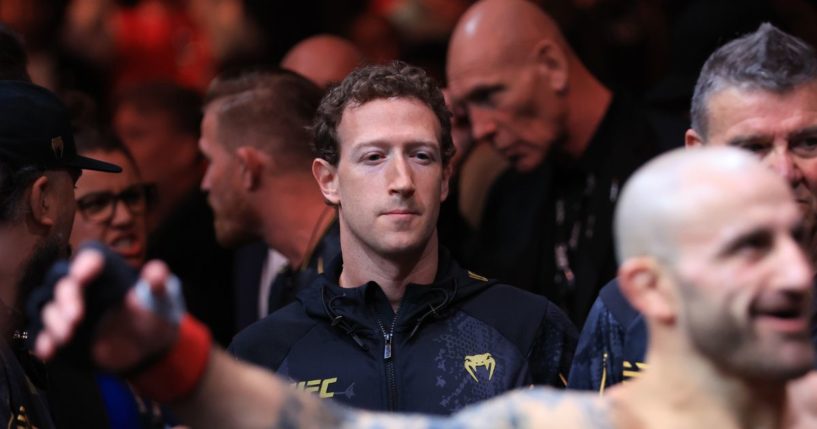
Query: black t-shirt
550, 231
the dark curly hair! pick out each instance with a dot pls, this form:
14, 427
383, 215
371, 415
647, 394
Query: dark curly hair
373, 83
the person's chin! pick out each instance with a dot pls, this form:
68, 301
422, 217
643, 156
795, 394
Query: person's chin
524, 164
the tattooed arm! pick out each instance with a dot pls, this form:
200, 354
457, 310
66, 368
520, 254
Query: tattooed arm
237, 395
229, 393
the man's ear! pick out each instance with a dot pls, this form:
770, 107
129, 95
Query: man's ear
326, 175
448, 170
552, 59
252, 163
643, 282
41, 202
692, 139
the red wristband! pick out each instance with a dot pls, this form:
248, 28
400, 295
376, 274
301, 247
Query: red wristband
176, 374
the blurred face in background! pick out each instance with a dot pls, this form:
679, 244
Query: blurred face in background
111, 208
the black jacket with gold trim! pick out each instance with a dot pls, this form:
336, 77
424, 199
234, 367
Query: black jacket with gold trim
613, 344
460, 340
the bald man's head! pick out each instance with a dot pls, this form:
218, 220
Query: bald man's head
710, 255
323, 59
510, 68
668, 195
493, 33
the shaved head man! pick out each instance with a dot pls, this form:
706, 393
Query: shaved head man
323, 59
525, 90
570, 141
759, 93
710, 255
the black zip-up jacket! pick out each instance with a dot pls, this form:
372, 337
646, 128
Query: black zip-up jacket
457, 341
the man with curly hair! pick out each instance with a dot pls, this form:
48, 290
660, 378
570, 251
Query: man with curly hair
408, 329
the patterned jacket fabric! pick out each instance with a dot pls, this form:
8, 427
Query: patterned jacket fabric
613, 343
457, 341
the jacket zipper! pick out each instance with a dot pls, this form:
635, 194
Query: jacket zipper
391, 379
603, 373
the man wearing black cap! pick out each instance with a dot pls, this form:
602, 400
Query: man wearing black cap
39, 165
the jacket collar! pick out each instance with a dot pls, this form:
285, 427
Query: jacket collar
356, 308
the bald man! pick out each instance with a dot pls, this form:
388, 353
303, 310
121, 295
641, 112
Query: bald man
324, 59
709, 246
571, 142
757, 92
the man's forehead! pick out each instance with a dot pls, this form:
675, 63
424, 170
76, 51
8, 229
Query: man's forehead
720, 207
402, 119
756, 110
475, 75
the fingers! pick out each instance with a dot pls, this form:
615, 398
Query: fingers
156, 274
62, 315
86, 266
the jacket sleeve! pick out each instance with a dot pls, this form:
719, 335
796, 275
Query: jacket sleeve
552, 351
599, 352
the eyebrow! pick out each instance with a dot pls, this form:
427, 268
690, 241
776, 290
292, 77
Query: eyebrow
805, 132
746, 140
797, 135
385, 142
411, 144
481, 92
760, 233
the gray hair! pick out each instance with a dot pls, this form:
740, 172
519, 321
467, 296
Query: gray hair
767, 59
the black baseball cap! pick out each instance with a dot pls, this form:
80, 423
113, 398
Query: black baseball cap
35, 130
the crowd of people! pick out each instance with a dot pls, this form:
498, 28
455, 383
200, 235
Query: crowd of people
344, 237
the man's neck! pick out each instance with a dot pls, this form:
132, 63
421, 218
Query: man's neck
587, 106
293, 219
392, 272
684, 391
16, 246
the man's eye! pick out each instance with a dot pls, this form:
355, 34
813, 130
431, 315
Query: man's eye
372, 157
485, 97
755, 244
485, 101
424, 156
94, 203
806, 147
798, 234
756, 148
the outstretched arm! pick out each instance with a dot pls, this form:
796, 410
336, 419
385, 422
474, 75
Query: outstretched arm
229, 393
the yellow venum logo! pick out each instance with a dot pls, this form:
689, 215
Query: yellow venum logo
476, 361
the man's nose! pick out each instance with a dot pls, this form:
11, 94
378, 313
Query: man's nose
205, 180
401, 180
122, 215
483, 124
796, 270
781, 161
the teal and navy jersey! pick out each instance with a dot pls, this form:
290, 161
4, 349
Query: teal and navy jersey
460, 340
